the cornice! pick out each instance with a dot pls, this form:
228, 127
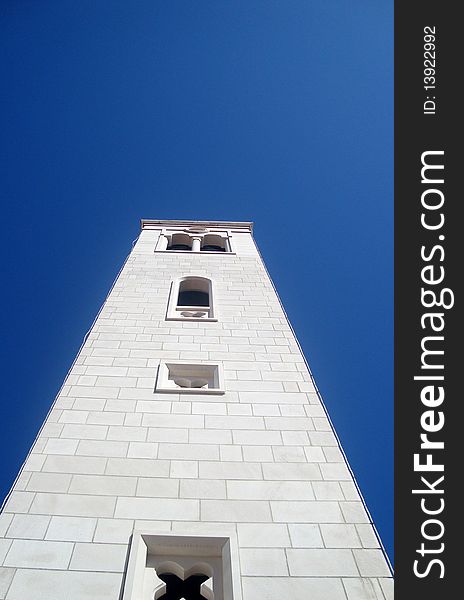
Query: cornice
150, 223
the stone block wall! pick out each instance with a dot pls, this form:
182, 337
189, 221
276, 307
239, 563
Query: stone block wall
261, 460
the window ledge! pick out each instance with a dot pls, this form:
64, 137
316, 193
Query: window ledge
196, 252
210, 319
181, 390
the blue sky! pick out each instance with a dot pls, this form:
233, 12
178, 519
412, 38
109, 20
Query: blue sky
280, 112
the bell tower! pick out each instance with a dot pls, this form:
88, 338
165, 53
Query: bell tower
188, 453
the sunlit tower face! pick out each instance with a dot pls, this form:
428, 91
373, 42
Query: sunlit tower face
188, 453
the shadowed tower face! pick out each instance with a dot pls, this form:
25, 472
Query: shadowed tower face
188, 454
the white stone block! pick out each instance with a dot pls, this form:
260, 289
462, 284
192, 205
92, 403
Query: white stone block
305, 536
306, 512
289, 454
209, 436
157, 508
263, 535
99, 557
231, 453
34, 462
269, 562
261, 397
362, 589
5, 521
367, 535
289, 423
233, 422
85, 432
158, 487
184, 469
188, 451
321, 562
129, 434
333, 454
86, 404
74, 416
340, 536
22, 480
169, 435
203, 488
252, 511
114, 531
322, 438
295, 438
230, 470
73, 505
71, 529
173, 421
5, 545
142, 450
335, 472
56, 585
327, 490
354, 512
19, 502
6, 576
74, 464
138, 467
209, 408
294, 588
371, 563
35, 554
104, 485
257, 438
349, 490
102, 448
387, 587
28, 527
132, 419
120, 405
81, 391
297, 471
181, 408
257, 454
269, 490
267, 410
314, 454
49, 482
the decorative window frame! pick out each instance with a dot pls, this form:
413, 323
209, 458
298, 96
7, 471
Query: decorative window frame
152, 553
185, 370
192, 233
174, 312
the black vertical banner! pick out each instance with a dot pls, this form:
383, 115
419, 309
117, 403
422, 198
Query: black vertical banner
429, 252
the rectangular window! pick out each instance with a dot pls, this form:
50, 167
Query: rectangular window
182, 377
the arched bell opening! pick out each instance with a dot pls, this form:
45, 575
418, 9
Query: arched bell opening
180, 241
213, 243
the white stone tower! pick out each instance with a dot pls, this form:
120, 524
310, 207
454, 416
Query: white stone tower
188, 454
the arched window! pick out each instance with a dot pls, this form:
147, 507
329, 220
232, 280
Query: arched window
193, 293
191, 298
180, 241
213, 243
